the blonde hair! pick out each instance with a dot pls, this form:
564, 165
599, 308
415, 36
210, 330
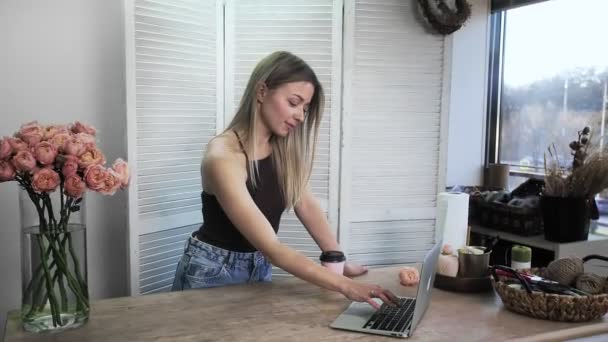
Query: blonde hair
294, 154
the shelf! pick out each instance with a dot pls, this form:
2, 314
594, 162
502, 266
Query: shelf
537, 241
532, 241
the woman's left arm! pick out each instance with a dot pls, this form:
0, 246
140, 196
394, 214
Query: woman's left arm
310, 213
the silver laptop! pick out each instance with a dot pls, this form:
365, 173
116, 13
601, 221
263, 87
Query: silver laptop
393, 321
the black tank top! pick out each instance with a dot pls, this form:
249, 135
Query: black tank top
218, 230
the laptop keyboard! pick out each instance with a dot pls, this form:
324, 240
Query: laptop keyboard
392, 318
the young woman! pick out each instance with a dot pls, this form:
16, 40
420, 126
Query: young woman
257, 168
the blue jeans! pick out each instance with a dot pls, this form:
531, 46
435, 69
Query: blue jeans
203, 265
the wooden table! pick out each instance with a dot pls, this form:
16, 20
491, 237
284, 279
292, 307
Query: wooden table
292, 310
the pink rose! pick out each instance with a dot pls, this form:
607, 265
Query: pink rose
5, 148
31, 133
95, 177
70, 166
74, 186
409, 276
111, 183
50, 131
45, 180
59, 139
92, 156
7, 171
122, 171
79, 127
74, 146
24, 161
45, 153
18, 144
87, 139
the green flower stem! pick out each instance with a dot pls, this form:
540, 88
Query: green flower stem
38, 292
81, 280
37, 302
51, 294
64, 296
61, 196
65, 214
59, 273
72, 283
37, 274
62, 291
40, 209
39, 306
42, 218
49, 205
77, 286
79, 276
36, 298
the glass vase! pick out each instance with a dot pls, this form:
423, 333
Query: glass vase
53, 262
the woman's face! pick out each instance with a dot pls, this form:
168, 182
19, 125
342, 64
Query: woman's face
284, 108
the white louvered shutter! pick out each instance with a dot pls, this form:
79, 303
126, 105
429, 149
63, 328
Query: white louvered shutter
392, 155
312, 30
173, 98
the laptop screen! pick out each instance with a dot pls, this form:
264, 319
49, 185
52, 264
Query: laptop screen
427, 278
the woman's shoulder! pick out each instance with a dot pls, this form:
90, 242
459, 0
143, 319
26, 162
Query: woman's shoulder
222, 154
224, 146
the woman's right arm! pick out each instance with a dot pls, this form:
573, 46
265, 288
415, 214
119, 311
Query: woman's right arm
224, 175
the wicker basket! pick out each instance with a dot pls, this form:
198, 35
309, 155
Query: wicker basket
520, 221
555, 307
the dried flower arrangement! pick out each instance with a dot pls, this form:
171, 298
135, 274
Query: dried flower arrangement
588, 175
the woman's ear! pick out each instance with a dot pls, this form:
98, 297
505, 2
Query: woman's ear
261, 92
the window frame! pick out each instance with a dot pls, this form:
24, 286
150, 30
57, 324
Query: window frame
498, 21
495, 74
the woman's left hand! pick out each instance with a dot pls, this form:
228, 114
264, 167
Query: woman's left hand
354, 270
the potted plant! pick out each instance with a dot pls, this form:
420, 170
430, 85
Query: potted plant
567, 201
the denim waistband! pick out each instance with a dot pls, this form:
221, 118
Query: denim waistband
199, 248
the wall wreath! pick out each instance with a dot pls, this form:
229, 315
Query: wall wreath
441, 17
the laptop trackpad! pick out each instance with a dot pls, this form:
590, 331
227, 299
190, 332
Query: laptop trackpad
356, 315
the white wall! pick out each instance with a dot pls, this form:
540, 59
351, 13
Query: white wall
466, 142
62, 61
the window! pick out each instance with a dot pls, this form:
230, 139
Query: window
551, 75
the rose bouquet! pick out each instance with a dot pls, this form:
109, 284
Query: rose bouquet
54, 166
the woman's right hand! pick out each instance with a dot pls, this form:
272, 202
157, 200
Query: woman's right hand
361, 292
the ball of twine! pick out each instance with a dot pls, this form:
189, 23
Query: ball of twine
590, 282
565, 270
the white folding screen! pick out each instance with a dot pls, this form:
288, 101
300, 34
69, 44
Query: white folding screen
394, 131
381, 157
312, 30
174, 54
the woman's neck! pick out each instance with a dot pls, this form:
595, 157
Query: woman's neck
262, 143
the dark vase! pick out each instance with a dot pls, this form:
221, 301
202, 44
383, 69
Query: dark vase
566, 219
